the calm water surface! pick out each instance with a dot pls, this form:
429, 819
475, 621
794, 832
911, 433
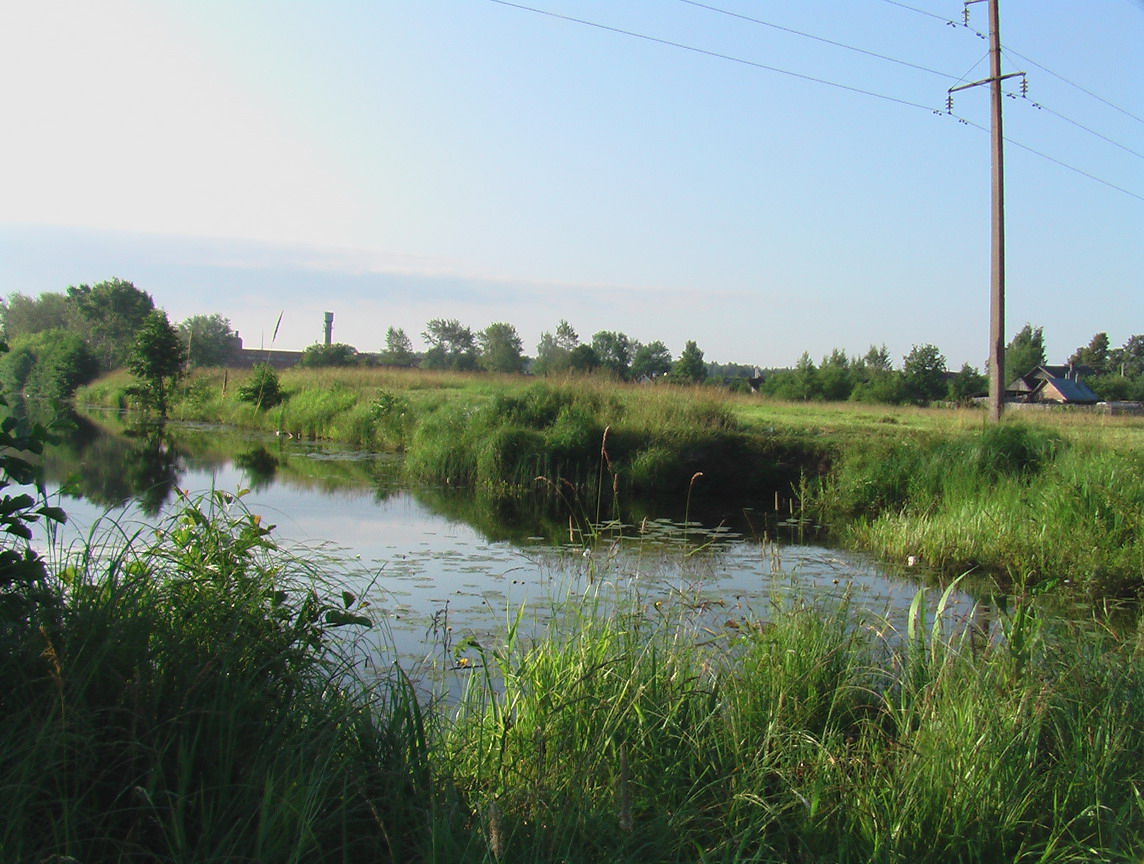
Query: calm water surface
433, 564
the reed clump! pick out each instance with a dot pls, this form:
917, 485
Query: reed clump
630, 732
190, 702
1021, 502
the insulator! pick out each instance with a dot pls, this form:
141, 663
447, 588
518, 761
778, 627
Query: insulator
965, 15
949, 103
1024, 86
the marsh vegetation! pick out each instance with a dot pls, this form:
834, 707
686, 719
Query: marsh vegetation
198, 692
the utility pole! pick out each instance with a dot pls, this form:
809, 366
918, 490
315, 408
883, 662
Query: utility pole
997, 293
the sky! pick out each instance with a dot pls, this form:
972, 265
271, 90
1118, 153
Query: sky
764, 178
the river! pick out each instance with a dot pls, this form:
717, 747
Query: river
437, 564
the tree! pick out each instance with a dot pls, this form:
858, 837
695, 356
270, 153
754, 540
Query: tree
924, 372
109, 315
651, 360
48, 365
335, 354
63, 363
614, 351
1025, 353
690, 366
583, 358
500, 348
451, 346
554, 351
26, 316
834, 379
1095, 355
877, 358
875, 379
398, 349
156, 360
967, 384
209, 340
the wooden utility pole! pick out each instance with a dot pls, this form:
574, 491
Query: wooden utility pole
997, 294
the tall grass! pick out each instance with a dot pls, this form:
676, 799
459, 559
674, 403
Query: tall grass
628, 732
191, 703
1018, 501
193, 697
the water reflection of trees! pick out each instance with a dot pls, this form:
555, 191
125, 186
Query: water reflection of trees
144, 465
109, 462
259, 465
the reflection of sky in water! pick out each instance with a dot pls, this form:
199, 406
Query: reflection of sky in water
423, 573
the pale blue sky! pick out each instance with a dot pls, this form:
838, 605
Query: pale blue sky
394, 162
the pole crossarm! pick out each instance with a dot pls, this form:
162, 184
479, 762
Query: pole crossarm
985, 81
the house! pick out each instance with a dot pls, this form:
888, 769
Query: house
1053, 384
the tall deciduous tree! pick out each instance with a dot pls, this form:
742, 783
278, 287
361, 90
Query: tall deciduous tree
500, 348
209, 340
554, 351
924, 372
690, 366
651, 360
156, 360
1025, 353
614, 350
110, 314
451, 346
1095, 355
26, 316
398, 348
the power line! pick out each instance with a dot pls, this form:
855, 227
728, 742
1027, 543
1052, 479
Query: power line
819, 39
1008, 50
1042, 107
1035, 152
940, 18
1077, 86
717, 55
812, 79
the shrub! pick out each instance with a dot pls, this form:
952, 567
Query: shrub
261, 389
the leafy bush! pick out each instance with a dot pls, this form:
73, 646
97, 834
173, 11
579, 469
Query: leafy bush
337, 354
262, 388
48, 365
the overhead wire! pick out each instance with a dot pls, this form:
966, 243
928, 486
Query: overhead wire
718, 55
1077, 86
846, 87
821, 39
1008, 50
1042, 107
1052, 159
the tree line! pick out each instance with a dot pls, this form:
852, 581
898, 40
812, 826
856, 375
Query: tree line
59, 341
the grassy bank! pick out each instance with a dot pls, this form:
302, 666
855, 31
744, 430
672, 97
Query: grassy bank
182, 698
1049, 497
630, 732
194, 696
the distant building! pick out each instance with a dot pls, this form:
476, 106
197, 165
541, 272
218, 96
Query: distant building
245, 358
1061, 385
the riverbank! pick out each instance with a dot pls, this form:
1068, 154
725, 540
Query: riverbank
194, 694
1044, 500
